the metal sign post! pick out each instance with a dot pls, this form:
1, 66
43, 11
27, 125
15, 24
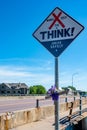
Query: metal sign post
56, 33
56, 102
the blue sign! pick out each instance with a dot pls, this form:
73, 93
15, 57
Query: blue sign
57, 31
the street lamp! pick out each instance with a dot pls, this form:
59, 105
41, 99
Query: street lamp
73, 77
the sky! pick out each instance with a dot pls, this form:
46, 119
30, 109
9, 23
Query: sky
24, 59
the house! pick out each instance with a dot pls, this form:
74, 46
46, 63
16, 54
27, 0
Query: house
13, 89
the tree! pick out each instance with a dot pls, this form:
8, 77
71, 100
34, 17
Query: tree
37, 89
71, 87
32, 90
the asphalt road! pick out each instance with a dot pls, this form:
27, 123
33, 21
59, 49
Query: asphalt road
20, 104
27, 103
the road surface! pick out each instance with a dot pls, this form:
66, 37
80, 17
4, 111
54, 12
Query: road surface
9, 105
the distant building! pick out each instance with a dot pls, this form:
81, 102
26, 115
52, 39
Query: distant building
82, 93
13, 88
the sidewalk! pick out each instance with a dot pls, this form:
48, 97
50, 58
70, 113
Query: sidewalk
45, 124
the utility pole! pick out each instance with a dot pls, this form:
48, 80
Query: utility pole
73, 77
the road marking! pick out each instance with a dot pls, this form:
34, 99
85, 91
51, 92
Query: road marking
17, 103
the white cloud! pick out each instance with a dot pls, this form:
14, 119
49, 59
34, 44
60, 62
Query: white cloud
33, 73
79, 80
30, 74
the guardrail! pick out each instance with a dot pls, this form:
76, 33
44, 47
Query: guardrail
66, 101
12, 119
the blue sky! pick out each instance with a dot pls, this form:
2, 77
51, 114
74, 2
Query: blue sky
24, 59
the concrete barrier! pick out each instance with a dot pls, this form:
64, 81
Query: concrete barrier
14, 119
20, 97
